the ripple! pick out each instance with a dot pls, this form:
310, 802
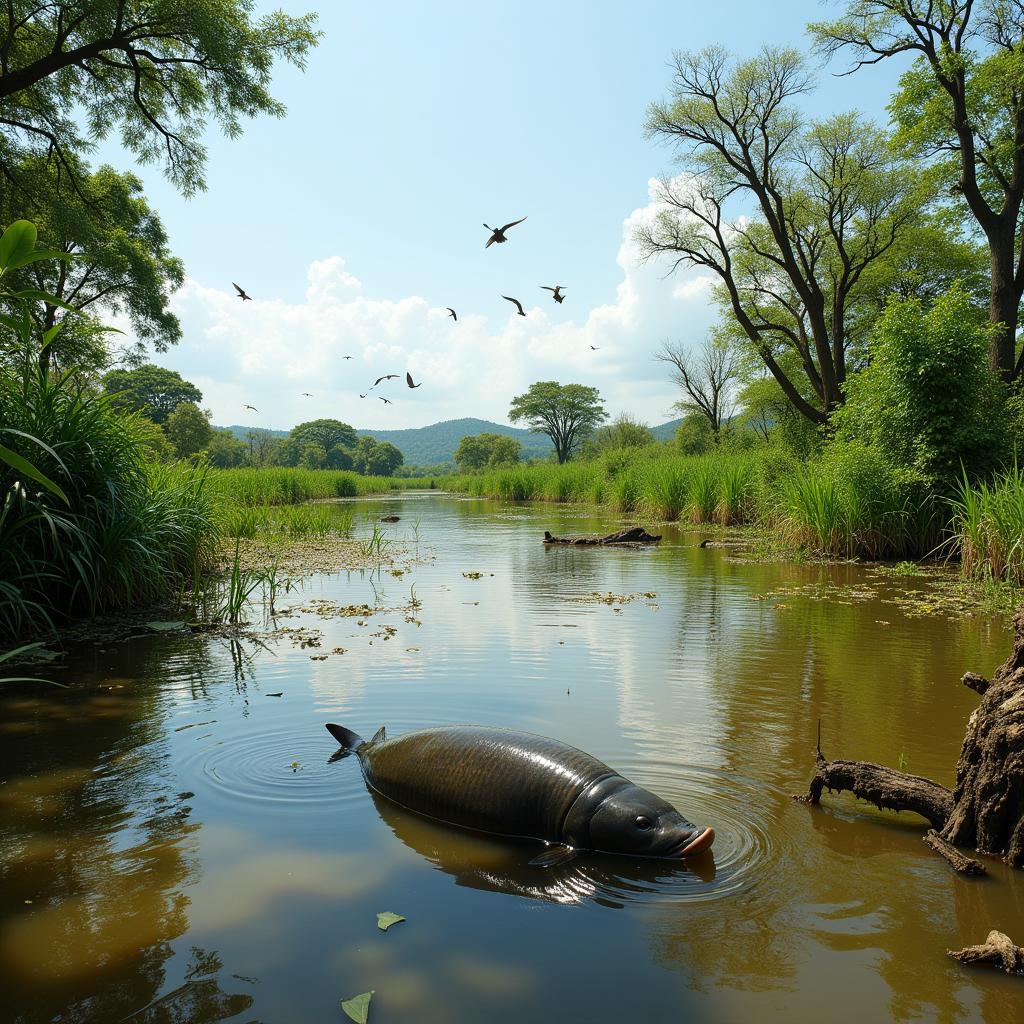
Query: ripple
279, 765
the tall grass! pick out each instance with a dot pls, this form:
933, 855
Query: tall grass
988, 525
291, 486
272, 522
128, 530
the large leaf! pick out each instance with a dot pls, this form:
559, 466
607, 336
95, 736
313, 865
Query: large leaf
358, 1007
16, 243
40, 296
386, 919
36, 256
23, 466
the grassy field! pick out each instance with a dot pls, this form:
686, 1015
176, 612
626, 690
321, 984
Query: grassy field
284, 486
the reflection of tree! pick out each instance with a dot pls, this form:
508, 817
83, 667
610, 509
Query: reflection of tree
96, 838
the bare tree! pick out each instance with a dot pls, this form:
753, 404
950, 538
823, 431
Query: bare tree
830, 201
707, 378
963, 101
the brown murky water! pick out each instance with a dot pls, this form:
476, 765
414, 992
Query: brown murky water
175, 846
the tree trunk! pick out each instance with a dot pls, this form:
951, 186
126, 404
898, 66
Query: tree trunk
986, 808
1004, 306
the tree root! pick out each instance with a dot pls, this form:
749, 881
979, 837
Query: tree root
959, 862
997, 949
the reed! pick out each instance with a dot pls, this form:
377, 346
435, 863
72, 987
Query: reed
988, 526
283, 485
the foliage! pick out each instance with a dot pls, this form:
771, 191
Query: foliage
225, 450
153, 391
988, 524
928, 400
188, 429
566, 413
122, 258
287, 486
476, 452
331, 436
313, 456
375, 458
694, 435
624, 432
153, 441
155, 72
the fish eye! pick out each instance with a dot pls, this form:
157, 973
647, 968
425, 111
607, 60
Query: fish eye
643, 822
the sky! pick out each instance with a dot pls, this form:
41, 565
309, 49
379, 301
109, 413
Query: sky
358, 217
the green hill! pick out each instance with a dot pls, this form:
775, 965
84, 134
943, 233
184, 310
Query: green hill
436, 443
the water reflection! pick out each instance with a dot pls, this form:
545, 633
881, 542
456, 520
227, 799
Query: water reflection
477, 861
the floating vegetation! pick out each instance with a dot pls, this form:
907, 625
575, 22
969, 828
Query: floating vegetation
385, 919
596, 597
358, 1007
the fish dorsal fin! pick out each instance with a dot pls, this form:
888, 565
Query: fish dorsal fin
379, 736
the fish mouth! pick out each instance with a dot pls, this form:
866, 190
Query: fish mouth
699, 844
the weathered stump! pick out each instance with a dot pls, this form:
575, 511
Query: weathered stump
997, 949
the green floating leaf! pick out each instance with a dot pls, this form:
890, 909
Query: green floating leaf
16, 243
386, 919
164, 627
358, 1007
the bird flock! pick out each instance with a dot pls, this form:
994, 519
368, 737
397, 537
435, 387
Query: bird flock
497, 236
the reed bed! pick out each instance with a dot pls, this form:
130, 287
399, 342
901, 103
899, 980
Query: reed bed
291, 486
988, 526
270, 522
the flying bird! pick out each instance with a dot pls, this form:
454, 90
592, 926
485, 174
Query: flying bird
241, 293
595, 348
307, 394
346, 357
363, 396
517, 303
452, 312
386, 401
387, 376
498, 234
556, 292
408, 380
253, 407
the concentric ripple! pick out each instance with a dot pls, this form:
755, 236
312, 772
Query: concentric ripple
278, 765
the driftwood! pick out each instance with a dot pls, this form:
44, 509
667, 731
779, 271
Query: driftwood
985, 811
958, 861
997, 949
634, 536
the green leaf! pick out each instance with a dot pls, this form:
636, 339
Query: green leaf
51, 334
23, 466
40, 296
31, 679
165, 627
358, 1007
386, 919
16, 243
36, 256
24, 649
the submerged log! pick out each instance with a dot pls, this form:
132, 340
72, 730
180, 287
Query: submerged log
635, 535
985, 811
997, 949
959, 862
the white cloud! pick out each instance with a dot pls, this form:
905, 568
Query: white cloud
266, 352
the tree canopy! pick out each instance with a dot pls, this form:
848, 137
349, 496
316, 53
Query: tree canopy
157, 71
336, 439
122, 260
151, 390
188, 429
487, 449
376, 458
567, 413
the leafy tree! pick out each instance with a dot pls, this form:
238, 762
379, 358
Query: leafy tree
327, 433
624, 432
707, 378
376, 458
122, 260
188, 429
961, 103
151, 390
340, 457
928, 400
829, 197
487, 449
156, 70
225, 450
265, 449
152, 440
694, 435
567, 413
313, 456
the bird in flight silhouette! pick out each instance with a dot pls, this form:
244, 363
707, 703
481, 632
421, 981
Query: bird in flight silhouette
498, 234
452, 313
556, 292
516, 303
408, 380
241, 293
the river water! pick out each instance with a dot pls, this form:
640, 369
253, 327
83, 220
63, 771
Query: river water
176, 846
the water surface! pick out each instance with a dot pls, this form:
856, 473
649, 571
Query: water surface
176, 847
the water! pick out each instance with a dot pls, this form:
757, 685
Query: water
176, 846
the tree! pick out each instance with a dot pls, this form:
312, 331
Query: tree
376, 458
327, 433
122, 260
928, 400
962, 103
152, 440
225, 450
151, 390
567, 413
188, 429
830, 200
312, 456
264, 448
694, 435
487, 449
157, 71
624, 432
707, 378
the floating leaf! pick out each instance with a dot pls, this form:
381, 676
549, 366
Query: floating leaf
358, 1007
386, 919
165, 627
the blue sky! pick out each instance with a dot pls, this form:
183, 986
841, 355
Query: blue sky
358, 217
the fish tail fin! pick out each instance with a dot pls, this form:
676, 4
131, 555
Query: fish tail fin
346, 737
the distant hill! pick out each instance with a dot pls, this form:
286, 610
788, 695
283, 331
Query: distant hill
434, 444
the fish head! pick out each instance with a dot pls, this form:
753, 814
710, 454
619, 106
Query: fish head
632, 820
